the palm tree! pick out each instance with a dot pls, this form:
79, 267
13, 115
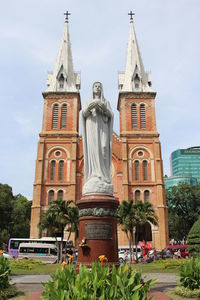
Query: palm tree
74, 220
144, 213
131, 216
126, 218
59, 215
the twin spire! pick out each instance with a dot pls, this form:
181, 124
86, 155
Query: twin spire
64, 79
134, 79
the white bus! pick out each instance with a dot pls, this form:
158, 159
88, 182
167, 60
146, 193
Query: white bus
39, 251
13, 244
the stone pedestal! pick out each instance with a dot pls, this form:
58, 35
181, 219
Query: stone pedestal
97, 229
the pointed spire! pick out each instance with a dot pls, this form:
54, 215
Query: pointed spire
134, 79
63, 78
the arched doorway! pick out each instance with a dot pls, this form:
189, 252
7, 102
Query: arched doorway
144, 233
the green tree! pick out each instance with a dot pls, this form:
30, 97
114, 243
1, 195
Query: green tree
6, 206
14, 215
194, 239
183, 209
60, 214
21, 215
4, 237
131, 216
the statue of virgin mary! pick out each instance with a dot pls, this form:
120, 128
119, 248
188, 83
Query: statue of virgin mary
97, 127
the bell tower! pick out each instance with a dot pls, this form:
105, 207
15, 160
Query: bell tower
55, 172
142, 167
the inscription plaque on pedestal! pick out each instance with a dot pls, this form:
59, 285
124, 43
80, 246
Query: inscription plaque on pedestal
98, 231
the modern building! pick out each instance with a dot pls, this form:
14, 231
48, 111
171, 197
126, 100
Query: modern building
137, 170
185, 167
186, 162
176, 180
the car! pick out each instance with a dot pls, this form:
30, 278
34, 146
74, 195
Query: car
183, 250
124, 254
139, 253
123, 257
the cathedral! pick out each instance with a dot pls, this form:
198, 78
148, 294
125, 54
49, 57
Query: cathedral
137, 170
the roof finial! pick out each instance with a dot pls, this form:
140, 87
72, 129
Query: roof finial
67, 14
131, 14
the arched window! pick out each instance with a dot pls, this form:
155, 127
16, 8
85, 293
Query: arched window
134, 115
137, 195
145, 170
136, 169
52, 170
146, 196
64, 116
142, 116
60, 194
51, 196
55, 116
61, 170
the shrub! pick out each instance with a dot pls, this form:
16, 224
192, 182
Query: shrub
9, 292
6, 290
4, 272
194, 239
100, 282
187, 293
190, 274
173, 263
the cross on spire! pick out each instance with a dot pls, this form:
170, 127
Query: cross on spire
131, 14
67, 14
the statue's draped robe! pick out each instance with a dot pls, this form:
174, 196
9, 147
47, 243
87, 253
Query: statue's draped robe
97, 144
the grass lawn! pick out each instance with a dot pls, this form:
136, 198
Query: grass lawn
35, 267
157, 267
28, 267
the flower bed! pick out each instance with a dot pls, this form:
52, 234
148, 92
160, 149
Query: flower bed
101, 282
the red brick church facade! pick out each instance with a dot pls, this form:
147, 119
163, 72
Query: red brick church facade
137, 171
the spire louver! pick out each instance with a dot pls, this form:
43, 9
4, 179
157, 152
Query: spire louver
63, 79
134, 79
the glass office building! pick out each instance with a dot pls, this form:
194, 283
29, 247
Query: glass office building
186, 162
175, 180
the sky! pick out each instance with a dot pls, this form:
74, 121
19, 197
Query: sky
30, 35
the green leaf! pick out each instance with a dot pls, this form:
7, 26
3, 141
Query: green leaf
137, 287
135, 296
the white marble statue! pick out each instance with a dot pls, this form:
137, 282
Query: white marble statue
97, 120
